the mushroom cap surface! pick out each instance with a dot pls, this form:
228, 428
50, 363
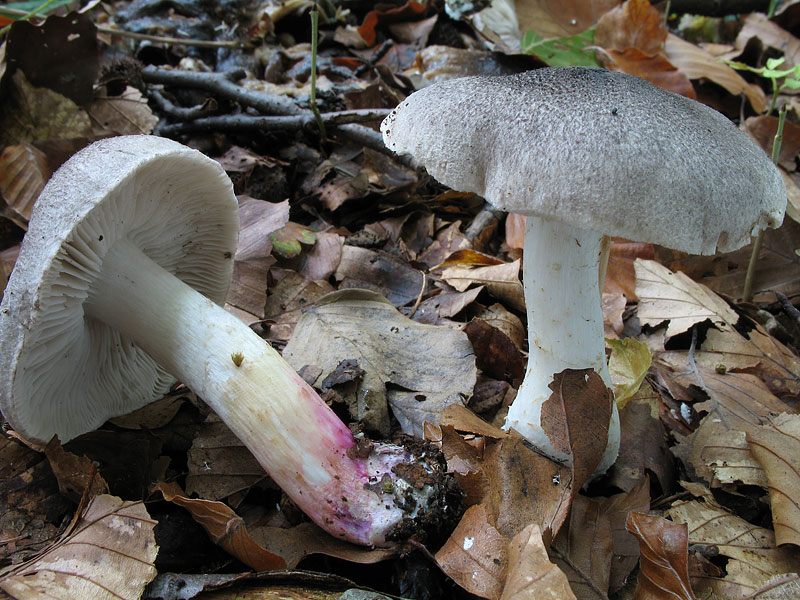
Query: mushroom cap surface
62, 372
596, 149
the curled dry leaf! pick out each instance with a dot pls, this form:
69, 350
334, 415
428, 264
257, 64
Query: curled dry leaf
777, 447
583, 549
664, 567
126, 114
224, 527
108, 555
670, 297
287, 299
380, 272
576, 417
531, 575
770, 34
420, 369
495, 354
752, 558
74, 473
475, 555
697, 63
501, 281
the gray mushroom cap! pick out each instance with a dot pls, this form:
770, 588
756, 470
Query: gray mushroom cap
595, 149
60, 371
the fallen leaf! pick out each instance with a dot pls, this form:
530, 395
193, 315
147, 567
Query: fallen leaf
657, 69
74, 473
575, 418
287, 299
36, 113
224, 527
627, 366
374, 18
419, 369
772, 35
23, 172
495, 353
620, 275
380, 272
501, 281
444, 305
664, 571
633, 24
763, 129
557, 19
108, 555
696, 63
670, 297
288, 240
777, 447
475, 555
625, 546
531, 575
583, 549
125, 114
219, 464
752, 558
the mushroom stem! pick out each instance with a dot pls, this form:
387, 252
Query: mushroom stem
565, 325
295, 436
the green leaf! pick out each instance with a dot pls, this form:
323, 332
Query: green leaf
629, 362
562, 52
31, 6
793, 84
286, 240
774, 63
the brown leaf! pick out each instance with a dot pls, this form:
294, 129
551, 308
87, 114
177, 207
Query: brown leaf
444, 305
625, 547
375, 17
499, 317
583, 549
108, 555
561, 18
634, 24
475, 555
74, 473
219, 464
501, 281
763, 130
752, 558
664, 572
224, 527
495, 354
287, 300
380, 272
772, 35
777, 448
125, 114
531, 575
696, 63
575, 419
515, 230
674, 297
620, 276
419, 369
23, 172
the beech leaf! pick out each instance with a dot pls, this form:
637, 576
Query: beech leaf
108, 555
531, 575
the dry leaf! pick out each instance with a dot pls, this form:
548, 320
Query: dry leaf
420, 369
287, 300
126, 114
696, 63
634, 24
752, 558
74, 473
627, 366
444, 305
575, 418
777, 448
771, 34
219, 464
625, 546
655, 69
380, 272
561, 18
224, 527
531, 575
664, 571
495, 354
673, 297
620, 275
475, 555
583, 549
501, 281
23, 172
108, 555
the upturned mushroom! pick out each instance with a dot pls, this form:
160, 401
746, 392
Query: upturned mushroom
585, 153
116, 293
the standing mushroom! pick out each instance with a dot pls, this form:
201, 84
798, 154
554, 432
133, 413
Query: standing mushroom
585, 153
116, 293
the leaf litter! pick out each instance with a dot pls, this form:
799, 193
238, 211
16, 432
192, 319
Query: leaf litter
700, 501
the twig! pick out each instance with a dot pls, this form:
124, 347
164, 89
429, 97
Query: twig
220, 83
269, 123
789, 308
420, 295
372, 139
747, 289
180, 112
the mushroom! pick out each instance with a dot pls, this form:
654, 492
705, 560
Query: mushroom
585, 153
116, 293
